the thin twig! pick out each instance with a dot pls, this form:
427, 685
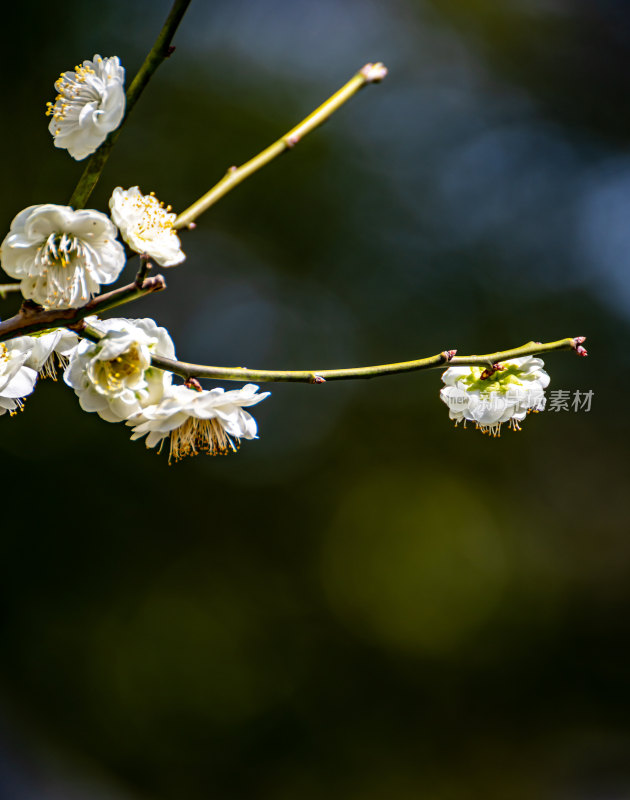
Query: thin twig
371, 73
161, 50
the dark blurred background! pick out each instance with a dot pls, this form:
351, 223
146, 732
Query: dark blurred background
366, 603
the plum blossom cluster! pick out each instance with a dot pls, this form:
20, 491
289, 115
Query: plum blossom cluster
114, 377
62, 256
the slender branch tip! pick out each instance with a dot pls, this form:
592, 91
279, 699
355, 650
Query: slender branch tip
578, 346
373, 73
370, 73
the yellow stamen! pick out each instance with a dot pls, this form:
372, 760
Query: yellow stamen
49, 369
201, 435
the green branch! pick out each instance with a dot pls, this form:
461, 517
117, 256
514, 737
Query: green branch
371, 73
160, 51
446, 358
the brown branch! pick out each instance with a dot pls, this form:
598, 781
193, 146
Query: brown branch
33, 318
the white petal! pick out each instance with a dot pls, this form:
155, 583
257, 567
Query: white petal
21, 384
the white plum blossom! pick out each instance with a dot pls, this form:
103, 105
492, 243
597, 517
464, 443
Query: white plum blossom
16, 379
90, 104
47, 346
114, 376
61, 256
146, 225
507, 392
199, 421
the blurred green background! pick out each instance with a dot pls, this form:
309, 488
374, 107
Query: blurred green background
365, 603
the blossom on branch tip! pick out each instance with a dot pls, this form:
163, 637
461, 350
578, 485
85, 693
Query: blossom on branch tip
114, 376
16, 379
90, 104
146, 225
60, 255
489, 397
199, 421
